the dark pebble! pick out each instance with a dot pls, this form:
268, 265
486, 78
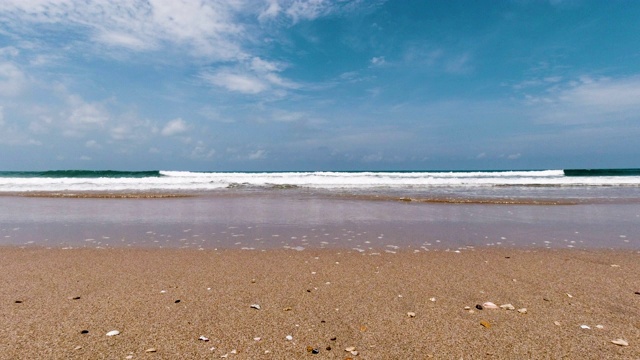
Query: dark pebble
637, 292
315, 351
479, 307
18, 301
76, 298
177, 301
333, 338
507, 257
84, 332
308, 290
328, 348
322, 321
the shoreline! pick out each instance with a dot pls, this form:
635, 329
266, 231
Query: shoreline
402, 305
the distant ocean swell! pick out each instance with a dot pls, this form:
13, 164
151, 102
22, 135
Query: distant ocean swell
168, 181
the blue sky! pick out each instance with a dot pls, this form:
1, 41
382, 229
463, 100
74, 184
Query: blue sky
319, 84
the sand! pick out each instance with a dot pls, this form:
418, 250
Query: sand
327, 300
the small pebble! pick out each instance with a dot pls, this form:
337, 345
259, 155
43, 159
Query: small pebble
637, 293
599, 327
150, 350
177, 301
113, 333
507, 307
479, 307
432, 299
289, 337
203, 338
620, 342
522, 311
78, 347
485, 323
557, 323
350, 349
18, 301
586, 327
84, 332
255, 306
411, 314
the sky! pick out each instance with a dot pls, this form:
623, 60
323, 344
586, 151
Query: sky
276, 85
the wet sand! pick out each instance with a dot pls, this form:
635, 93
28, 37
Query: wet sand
329, 300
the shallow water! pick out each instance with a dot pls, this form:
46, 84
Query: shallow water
299, 220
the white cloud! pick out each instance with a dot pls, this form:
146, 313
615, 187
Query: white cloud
12, 79
207, 28
92, 144
378, 61
174, 127
257, 155
250, 77
202, 151
307, 9
587, 100
243, 83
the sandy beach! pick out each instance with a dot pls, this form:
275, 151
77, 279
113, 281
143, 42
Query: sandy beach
59, 303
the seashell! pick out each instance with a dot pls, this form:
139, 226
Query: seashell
432, 299
485, 323
113, 333
489, 305
586, 327
556, 323
411, 314
620, 342
289, 337
522, 311
255, 306
350, 349
507, 307
150, 350
203, 338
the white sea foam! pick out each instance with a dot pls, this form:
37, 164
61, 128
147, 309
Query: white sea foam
204, 181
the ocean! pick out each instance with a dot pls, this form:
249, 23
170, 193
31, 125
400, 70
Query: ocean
360, 211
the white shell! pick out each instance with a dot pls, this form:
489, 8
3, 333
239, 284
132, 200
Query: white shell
113, 333
507, 307
489, 305
255, 306
411, 314
620, 342
522, 311
587, 327
289, 337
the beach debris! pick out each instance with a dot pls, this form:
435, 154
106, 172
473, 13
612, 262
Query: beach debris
113, 333
363, 328
84, 332
203, 338
620, 342
257, 338
163, 291
490, 305
411, 314
151, 350
546, 299
352, 350
485, 323
507, 307
77, 347
522, 311
312, 350
569, 295
288, 308
432, 299
467, 308
556, 323
289, 337
586, 327
234, 351
255, 306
